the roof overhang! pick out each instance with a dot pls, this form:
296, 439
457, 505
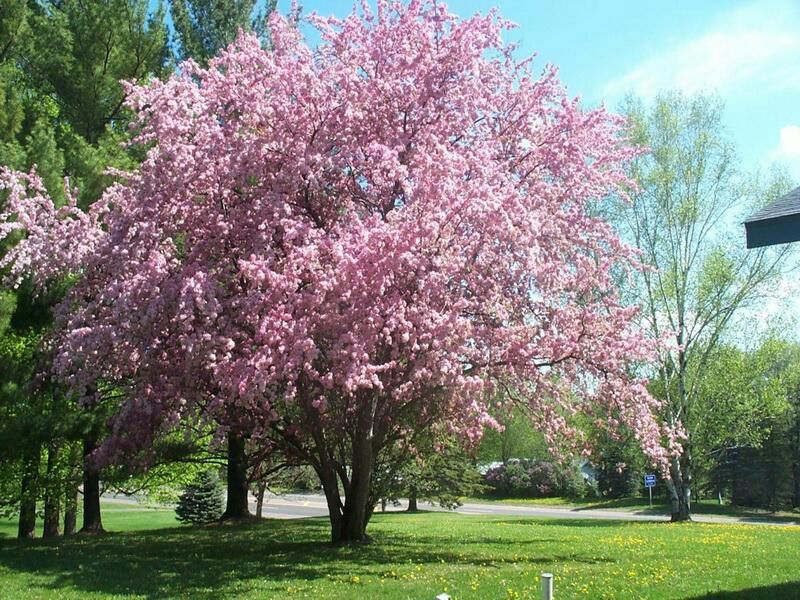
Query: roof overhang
776, 223
768, 232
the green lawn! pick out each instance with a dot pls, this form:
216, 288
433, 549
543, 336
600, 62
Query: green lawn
702, 507
414, 556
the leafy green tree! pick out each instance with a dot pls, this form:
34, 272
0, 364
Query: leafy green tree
741, 398
684, 218
13, 31
78, 54
36, 422
81, 51
435, 468
518, 439
20, 428
13, 26
754, 454
43, 153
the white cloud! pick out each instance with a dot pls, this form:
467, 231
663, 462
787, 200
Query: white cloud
789, 145
752, 49
787, 152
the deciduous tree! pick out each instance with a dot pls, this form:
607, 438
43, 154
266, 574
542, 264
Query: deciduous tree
338, 247
684, 218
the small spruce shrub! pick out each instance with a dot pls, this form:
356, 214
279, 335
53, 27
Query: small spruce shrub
202, 501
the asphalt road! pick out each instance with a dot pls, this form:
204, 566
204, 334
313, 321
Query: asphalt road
298, 506
294, 506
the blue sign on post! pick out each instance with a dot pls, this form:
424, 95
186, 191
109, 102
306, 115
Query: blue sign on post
650, 483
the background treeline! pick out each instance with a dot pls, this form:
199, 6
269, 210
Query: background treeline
746, 445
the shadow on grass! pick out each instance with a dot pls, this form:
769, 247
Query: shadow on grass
626, 503
198, 562
781, 591
579, 523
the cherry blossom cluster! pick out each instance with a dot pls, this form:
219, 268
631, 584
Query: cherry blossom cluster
394, 228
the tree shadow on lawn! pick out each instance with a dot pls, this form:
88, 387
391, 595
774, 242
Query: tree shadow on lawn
578, 523
639, 503
780, 591
748, 515
200, 561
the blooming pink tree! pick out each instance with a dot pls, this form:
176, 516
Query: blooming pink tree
332, 249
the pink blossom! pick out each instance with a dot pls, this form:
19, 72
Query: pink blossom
393, 227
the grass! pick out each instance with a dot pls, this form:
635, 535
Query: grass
414, 556
700, 507
117, 516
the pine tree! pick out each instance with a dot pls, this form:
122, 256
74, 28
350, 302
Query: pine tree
204, 27
201, 501
43, 153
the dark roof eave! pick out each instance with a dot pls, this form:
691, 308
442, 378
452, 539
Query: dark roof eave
771, 231
785, 206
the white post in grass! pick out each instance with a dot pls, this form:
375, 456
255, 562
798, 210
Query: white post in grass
442, 596
547, 586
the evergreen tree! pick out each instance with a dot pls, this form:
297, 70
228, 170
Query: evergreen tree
204, 27
61, 109
13, 26
43, 152
202, 501
78, 54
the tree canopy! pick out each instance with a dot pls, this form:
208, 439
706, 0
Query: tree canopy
341, 247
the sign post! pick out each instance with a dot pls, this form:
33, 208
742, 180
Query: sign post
650, 483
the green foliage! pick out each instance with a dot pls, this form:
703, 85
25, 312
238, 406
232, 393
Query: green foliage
519, 439
43, 152
13, 26
436, 468
755, 454
204, 27
443, 475
202, 502
742, 395
620, 466
61, 109
82, 50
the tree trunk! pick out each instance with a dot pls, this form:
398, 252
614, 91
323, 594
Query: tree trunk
681, 468
52, 495
28, 493
680, 491
349, 519
71, 509
71, 493
412, 501
262, 488
236, 503
795, 446
92, 521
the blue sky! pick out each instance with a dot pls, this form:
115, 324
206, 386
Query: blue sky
748, 52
